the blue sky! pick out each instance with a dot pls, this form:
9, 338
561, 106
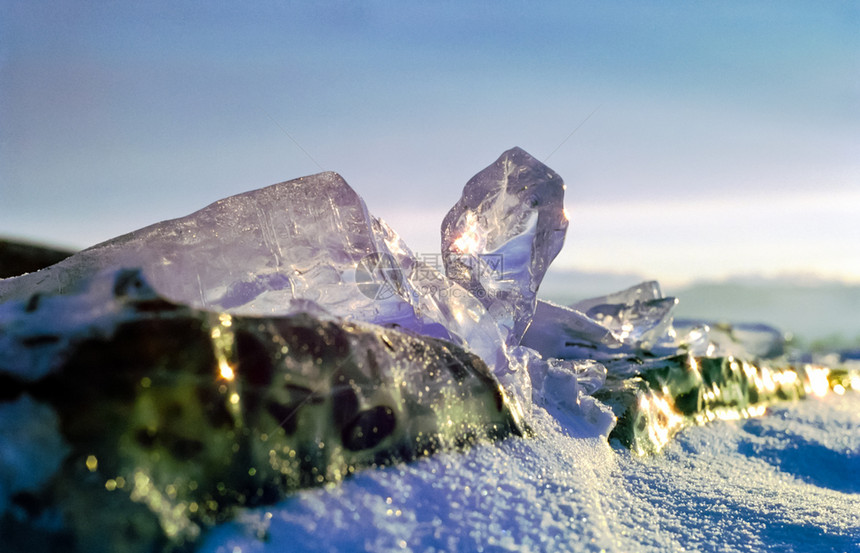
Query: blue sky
723, 138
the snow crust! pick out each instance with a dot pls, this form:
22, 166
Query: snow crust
784, 482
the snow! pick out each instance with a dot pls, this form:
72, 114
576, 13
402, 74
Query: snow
785, 482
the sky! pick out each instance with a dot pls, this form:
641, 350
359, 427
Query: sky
698, 140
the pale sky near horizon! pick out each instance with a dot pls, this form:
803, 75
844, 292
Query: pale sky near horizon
721, 138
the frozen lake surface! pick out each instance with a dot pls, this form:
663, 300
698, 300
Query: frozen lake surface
788, 481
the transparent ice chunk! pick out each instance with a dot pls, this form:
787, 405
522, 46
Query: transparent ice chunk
309, 239
564, 332
251, 253
644, 291
638, 316
444, 303
620, 324
501, 236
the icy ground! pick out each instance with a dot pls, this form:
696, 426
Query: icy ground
789, 481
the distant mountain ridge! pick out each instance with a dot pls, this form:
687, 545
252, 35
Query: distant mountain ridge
815, 310
566, 286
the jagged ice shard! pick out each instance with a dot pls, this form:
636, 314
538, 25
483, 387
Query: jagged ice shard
253, 252
638, 316
501, 236
273, 250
